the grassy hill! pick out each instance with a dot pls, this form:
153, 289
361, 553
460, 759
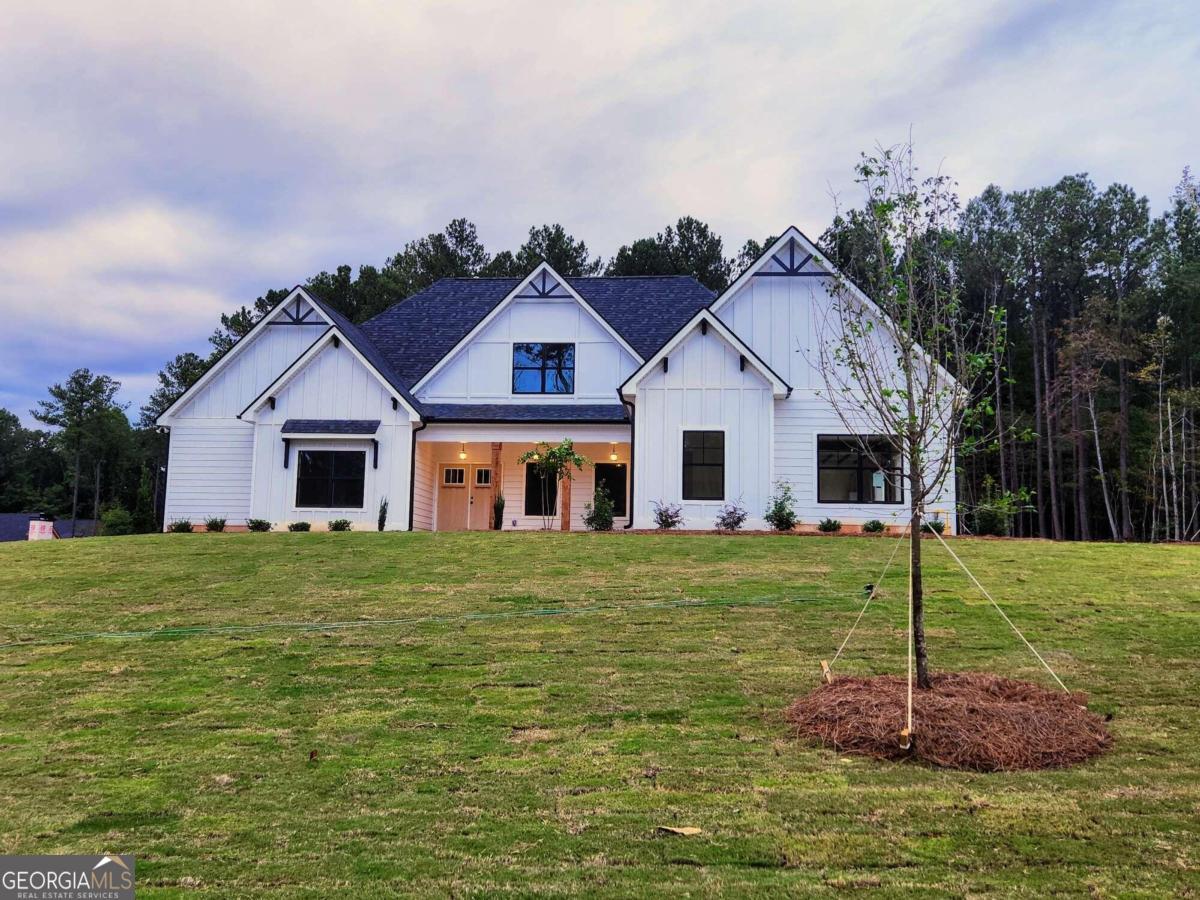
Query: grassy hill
540, 703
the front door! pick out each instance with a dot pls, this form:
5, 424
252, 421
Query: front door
480, 517
454, 497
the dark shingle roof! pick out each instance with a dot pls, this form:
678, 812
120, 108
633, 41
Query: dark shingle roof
15, 526
414, 334
525, 412
330, 426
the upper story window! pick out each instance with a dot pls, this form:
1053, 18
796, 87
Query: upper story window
848, 474
543, 369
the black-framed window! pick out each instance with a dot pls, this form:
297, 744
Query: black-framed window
704, 465
541, 491
848, 474
543, 369
614, 478
330, 479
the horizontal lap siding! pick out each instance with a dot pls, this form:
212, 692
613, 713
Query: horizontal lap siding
209, 473
425, 473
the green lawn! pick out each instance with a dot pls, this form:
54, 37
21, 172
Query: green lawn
476, 754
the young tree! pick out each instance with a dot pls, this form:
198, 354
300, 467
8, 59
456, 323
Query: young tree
557, 463
908, 366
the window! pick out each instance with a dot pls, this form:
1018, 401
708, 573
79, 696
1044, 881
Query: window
455, 476
613, 477
541, 492
543, 369
704, 465
483, 477
330, 479
846, 474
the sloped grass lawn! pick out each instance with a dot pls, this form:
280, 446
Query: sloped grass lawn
533, 753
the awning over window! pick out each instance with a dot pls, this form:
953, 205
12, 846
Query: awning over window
333, 427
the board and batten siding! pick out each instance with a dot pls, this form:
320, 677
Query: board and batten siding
333, 385
704, 388
482, 370
208, 472
785, 320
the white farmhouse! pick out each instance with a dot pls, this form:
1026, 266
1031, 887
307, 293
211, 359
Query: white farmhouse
675, 395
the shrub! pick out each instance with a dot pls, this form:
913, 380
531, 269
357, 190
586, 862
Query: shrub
180, 526
383, 511
339, 525
116, 520
214, 524
732, 516
929, 526
781, 511
498, 511
299, 526
598, 515
258, 524
829, 526
873, 527
667, 515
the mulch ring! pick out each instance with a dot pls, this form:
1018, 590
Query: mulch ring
965, 720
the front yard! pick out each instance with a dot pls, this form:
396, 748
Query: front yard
547, 701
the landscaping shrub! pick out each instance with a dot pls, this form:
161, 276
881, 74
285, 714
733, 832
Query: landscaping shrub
299, 526
214, 524
116, 520
829, 526
383, 511
929, 526
667, 515
598, 515
873, 527
258, 524
339, 525
180, 526
732, 516
781, 509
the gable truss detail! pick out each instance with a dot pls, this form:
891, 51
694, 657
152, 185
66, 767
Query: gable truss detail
791, 268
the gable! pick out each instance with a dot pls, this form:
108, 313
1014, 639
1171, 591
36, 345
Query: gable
704, 358
543, 308
253, 362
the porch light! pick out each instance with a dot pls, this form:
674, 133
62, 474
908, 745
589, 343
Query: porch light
613, 452
462, 451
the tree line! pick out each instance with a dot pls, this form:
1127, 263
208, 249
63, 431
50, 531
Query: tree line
1091, 404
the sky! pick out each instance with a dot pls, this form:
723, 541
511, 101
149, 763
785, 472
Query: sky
165, 162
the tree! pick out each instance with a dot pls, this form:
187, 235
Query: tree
176, 377
751, 251
557, 463
566, 255
689, 247
909, 371
82, 409
455, 252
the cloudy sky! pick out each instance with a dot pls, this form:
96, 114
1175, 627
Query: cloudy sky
164, 162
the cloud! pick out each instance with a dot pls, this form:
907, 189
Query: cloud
164, 161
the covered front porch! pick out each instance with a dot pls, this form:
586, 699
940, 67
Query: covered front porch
460, 469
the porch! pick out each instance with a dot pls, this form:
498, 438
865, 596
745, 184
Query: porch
459, 470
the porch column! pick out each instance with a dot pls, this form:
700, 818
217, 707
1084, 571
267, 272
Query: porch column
564, 494
497, 477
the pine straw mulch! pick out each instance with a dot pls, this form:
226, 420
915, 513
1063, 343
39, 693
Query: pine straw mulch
964, 721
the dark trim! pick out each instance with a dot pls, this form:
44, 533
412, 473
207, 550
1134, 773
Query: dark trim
742, 362
665, 358
628, 404
456, 420
412, 472
375, 447
704, 326
287, 449
271, 400
857, 438
395, 404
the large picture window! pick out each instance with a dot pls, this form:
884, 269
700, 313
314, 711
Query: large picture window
330, 479
846, 474
543, 369
541, 491
704, 465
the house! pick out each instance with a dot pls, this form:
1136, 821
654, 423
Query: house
675, 395
20, 527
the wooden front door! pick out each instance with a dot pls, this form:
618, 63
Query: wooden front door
454, 497
480, 518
